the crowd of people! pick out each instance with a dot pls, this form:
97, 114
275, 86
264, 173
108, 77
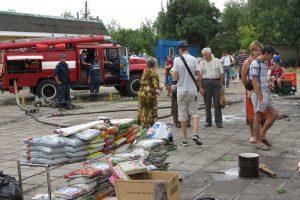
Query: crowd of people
187, 78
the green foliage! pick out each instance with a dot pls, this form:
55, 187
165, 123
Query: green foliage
193, 20
141, 40
67, 14
281, 190
227, 158
246, 35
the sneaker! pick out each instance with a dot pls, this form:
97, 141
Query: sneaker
196, 139
184, 143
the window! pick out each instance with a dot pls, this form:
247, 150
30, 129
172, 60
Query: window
171, 52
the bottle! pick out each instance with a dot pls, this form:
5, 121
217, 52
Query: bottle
170, 137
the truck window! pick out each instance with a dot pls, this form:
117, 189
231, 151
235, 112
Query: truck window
23, 66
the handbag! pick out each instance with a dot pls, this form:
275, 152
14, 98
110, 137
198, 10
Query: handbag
248, 84
222, 98
191, 74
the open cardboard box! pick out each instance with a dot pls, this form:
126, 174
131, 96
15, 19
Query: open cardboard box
141, 186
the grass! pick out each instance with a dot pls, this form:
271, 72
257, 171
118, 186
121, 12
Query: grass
281, 190
290, 69
227, 158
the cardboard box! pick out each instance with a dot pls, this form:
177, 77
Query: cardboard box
141, 186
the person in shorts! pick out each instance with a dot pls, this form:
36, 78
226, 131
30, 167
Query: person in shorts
261, 97
187, 90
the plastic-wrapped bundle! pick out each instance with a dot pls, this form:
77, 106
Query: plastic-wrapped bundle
135, 154
46, 161
74, 142
149, 144
42, 149
88, 134
54, 141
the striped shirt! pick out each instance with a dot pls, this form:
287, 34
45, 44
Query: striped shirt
241, 59
258, 68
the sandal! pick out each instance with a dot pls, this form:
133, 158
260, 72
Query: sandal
267, 142
178, 125
252, 140
262, 147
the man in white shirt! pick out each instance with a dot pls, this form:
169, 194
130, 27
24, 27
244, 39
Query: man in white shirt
212, 80
187, 90
227, 61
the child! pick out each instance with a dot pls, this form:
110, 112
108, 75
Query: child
277, 75
168, 79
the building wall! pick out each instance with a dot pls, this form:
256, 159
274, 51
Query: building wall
163, 49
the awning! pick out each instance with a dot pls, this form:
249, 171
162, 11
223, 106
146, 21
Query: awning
25, 57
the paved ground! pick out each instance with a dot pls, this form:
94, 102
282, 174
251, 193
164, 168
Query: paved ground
209, 170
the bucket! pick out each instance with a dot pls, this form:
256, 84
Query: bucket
249, 165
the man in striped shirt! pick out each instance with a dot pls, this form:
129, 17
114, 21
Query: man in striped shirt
241, 59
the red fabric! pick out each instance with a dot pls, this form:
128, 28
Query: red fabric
250, 111
277, 72
168, 63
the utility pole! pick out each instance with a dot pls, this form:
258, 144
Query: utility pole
86, 10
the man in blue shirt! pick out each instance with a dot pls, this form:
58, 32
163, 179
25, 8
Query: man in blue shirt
62, 78
83, 64
95, 79
261, 97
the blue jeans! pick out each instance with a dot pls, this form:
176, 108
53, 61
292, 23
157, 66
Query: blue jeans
168, 80
227, 76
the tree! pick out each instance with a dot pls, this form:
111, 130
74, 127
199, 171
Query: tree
227, 37
290, 27
265, 19
67, 14
147, 33
193, 20
113, 26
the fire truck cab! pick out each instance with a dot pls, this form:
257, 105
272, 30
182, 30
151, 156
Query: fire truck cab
32, 65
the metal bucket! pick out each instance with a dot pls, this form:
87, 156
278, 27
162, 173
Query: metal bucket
248, 165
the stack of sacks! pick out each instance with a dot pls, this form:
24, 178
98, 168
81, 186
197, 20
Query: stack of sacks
44, 150
103, 184
158, 152
75, 149
127, 133
134, 154
95, 142
93, 178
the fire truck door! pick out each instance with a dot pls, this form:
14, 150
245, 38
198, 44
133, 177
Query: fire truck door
124, 64
86, 57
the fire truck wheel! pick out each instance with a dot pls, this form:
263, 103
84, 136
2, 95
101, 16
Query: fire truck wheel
47, 89
121, 89
133, 85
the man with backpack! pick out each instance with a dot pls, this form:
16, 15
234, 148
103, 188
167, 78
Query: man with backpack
227, 62
261, 97
187, 78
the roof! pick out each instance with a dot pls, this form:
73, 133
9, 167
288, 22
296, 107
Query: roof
172, 43
28, 23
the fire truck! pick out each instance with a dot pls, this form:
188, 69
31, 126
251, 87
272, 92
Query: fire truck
31, 63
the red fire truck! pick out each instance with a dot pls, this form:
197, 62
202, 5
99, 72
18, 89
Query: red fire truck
32, 62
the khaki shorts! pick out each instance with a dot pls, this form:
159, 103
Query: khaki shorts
258, 106
187, 105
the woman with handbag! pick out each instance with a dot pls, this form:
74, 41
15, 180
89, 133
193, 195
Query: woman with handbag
255, 51
147, 95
